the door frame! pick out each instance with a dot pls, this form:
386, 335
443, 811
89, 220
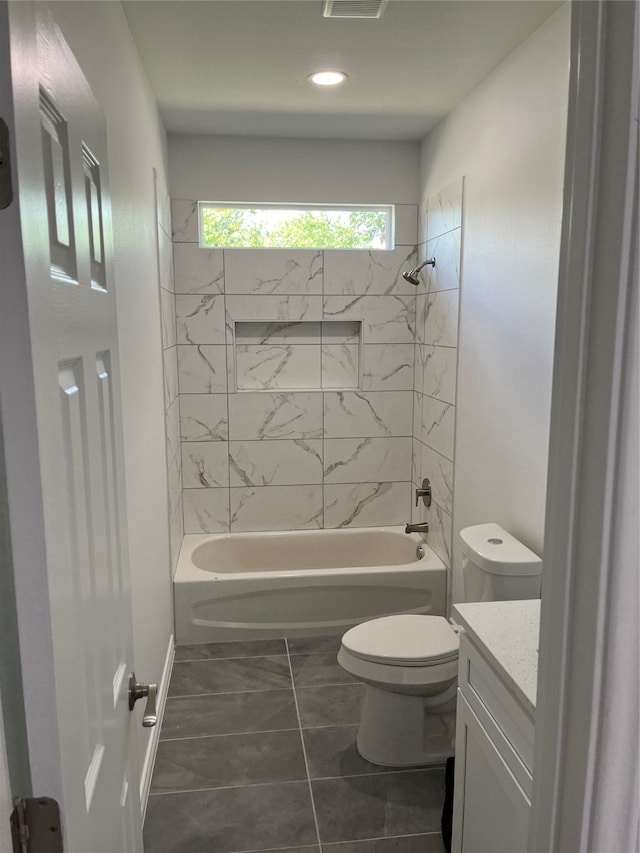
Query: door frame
586, 760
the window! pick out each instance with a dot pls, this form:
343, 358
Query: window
295, 226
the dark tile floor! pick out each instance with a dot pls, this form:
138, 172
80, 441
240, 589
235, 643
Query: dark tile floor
257, 753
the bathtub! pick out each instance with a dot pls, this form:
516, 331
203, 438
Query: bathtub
243, 586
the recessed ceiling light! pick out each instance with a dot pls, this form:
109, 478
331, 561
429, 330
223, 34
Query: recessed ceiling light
327, 78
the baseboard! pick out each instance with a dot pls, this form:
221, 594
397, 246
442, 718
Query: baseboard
152, 746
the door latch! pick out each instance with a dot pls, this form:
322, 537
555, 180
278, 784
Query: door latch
35, 826
139, 691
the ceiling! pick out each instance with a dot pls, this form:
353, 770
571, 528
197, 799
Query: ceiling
240, 67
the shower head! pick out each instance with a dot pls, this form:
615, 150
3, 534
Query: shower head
412, 275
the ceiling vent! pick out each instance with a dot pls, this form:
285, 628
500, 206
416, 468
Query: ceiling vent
353, 8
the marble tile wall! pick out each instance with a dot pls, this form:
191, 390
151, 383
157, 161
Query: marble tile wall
440, 233
170, 366
321, 345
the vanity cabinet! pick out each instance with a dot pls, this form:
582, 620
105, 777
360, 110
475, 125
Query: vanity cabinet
494, 759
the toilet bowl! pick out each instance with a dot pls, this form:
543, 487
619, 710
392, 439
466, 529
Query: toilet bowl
410, 665
409, 662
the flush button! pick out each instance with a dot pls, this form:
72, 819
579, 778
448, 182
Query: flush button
495, 541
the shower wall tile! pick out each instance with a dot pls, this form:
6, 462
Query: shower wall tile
205, 464
250, 326
439, 372
366, 504
184, 219
369, 414
271, 415
340, 365
368, 272
444, 210
440, 234
172, 424
174, 483
367, 460
439, 470
440, 530
286, 462
277, 366
385, 319
273, 271
176, 532
276, 508
202, 369
163, 205
170, 366
206, 510
441, 318
274, 309
165, 253
445, 275
200, 319
406, 224
203, 417
438, 425
388, 367
168, 318
196, 270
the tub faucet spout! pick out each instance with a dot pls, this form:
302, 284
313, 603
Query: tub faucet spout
420, 527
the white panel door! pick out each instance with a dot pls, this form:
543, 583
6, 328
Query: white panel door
85, 619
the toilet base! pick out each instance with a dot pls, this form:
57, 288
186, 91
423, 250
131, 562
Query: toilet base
396, 730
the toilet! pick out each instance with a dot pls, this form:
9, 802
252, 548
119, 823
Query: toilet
409, 662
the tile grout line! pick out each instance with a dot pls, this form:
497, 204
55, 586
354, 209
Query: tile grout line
304, 749
338, 843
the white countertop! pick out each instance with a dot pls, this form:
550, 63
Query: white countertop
506, 632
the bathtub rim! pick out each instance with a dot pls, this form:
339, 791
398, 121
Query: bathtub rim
188, 572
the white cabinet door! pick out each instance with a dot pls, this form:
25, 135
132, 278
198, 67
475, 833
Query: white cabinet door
76, 685
492, 810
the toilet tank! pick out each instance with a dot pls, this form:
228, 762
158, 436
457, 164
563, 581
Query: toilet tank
496, 567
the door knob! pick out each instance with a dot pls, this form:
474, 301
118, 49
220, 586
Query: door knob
139, 691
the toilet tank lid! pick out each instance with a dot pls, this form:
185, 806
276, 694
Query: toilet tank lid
491, 548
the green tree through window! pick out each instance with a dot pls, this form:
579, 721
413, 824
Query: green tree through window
274, 227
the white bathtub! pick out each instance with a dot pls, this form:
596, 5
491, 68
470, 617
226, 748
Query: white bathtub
241, 586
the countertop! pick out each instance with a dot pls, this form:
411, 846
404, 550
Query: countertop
506, 632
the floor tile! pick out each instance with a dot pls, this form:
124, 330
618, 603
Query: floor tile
242, 649
231, 820
315, 849
332, 751
431, 843
219, 762
330, 706
389, 804
226, 713
314, 645
227, 676
318, 669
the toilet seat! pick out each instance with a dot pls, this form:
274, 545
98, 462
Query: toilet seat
405, 640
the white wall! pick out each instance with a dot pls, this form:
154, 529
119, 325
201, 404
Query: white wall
507, 138
100, 39
229, 168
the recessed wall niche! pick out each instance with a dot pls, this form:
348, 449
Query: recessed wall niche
299, 355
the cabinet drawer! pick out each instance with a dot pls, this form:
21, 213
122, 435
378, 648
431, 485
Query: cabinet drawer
489, 697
